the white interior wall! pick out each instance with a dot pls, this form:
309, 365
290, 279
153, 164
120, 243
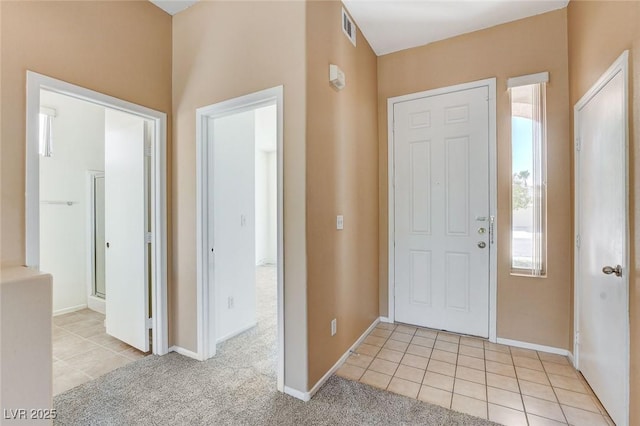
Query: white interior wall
262, 207
233, 216
266, 185
272, 239
78, 146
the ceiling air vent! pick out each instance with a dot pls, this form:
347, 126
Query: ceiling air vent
348, 27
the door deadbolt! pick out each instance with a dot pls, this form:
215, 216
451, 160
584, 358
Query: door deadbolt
107, 245
481, 231
482, 244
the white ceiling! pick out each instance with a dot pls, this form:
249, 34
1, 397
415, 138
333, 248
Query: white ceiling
173, 6
393, 25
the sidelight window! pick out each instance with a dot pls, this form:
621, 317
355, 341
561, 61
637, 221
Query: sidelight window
528, 174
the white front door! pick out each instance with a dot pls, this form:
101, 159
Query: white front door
601, 208
441, 151
125, 224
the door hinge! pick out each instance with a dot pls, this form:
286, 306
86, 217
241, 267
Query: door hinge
577, 338
578, 241
148, 151
578, 144
148, 237
149, 323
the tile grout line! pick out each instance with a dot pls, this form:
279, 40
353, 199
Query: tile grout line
97, 344
456, 365
553, 389
524, 407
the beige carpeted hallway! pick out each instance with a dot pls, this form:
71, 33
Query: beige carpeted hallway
237, 387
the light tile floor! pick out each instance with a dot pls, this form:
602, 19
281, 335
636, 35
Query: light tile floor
82, 350
504, 384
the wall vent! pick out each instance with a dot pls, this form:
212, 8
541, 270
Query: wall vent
348, 27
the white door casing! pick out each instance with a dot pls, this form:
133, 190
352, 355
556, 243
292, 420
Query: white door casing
158, 217
126, 213
602, 300
443, 169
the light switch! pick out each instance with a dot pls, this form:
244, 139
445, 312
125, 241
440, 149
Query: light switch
339, 222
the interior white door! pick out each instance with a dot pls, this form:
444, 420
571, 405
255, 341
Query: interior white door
232, 213
126, 216
441, 148
602, 305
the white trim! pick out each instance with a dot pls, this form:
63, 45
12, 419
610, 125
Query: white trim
48, 111
185, 352
302, 396
533, 346
69, 310
490, 83
235, 333
205, 293
343, 358
386, 320
306, 396
525, 80
97, 304
621, 65
572, 359
37, 82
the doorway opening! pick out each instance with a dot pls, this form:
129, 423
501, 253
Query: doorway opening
93, 185
443, 208
240, 228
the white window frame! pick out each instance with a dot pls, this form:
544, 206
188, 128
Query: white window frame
539, 267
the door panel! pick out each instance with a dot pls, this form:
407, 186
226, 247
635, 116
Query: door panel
603, 299
441, 148
126, 256
421, 277
457, 186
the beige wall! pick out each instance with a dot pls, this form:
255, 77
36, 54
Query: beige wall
533, 310
342, 178
223, 50
598, 33
25, 351
122, 49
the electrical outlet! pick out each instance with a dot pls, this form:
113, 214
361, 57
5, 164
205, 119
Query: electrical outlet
339, 222
334, 326
230, 302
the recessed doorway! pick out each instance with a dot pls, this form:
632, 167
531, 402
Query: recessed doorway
240, 226
442, 209
95, 180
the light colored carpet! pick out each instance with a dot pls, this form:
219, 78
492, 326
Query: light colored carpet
237, 387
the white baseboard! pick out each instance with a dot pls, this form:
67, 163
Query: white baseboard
534, 346
235, 333
572, 359
185, 352
69, 310
385, 319
303, 396
338, 364
97, 304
